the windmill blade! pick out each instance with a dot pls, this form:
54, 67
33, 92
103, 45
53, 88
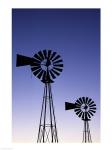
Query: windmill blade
44, 77
77, 113
81, 101
84, 100
24, 60
77, 105
80, 114
94, 108
55, 72
58, 69
92, 111
45, 54
36, 72
49, 54
57, 57
94, 105
41, 55
52, 74
58, 61
40, 74
36, 62
89, 101
89, 116
37, 57
59, 65
69, 106
35, 68
53, 55
77, 109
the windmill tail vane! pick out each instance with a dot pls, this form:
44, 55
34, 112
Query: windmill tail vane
24, 60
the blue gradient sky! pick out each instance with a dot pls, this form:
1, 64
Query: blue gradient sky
75, 35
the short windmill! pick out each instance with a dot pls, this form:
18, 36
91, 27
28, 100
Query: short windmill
84, 108
45, 65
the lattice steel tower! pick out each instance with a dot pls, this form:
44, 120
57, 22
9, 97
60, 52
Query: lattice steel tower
45, 65
85, 108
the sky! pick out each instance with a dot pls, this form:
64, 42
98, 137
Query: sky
75, 35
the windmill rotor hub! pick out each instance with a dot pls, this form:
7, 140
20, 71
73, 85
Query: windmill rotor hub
46, 64
85, 108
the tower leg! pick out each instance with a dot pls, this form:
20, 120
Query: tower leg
47, 128
86, 133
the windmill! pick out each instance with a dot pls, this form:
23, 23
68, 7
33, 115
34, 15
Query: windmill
84, 108
45, 65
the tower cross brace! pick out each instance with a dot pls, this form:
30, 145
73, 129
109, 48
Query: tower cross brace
47, 127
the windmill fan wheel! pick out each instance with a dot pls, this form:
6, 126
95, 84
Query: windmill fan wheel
48, 65
85, 108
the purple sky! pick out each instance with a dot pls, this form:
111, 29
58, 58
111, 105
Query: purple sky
75, 35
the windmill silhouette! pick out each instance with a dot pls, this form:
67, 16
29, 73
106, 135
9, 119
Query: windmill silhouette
84, 108
45, 65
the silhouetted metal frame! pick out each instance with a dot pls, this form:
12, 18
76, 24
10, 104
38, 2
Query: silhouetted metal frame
86, 133
55, 128
47, 100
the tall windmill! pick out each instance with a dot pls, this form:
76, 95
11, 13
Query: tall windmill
84, 108
45, 65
